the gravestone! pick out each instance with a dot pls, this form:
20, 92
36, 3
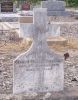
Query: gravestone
7, 7
26, 6
38, 69
55, 7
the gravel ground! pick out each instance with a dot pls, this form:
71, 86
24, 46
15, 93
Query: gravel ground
63, 18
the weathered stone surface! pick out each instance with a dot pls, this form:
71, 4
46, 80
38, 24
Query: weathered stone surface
58, 13
54, 29
27, 28
39, 69
55, 8
54, 5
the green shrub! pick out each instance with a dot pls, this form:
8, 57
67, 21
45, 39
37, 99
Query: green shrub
72, 3
34, 1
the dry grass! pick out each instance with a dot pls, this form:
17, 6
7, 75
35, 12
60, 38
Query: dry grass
14, 46
25, 44
72, 43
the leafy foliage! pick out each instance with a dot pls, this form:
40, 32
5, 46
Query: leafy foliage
30, 1
72, 3
33, 1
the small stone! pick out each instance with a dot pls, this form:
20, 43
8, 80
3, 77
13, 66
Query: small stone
74, 79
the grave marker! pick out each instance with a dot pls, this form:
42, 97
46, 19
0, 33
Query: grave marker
38, 69
26, 6
7, 7
55, 7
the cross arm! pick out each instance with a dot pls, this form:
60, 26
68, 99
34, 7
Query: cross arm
53, 29
26, 29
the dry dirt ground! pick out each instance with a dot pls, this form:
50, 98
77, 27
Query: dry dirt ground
10, 50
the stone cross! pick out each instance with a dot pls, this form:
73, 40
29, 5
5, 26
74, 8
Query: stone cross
26, 30
38, 69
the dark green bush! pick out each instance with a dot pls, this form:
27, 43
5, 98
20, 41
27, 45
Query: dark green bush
72, 3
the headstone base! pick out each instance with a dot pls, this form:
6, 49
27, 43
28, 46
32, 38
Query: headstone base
58, 13
68, 94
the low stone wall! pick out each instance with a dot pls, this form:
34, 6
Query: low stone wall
9, 19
